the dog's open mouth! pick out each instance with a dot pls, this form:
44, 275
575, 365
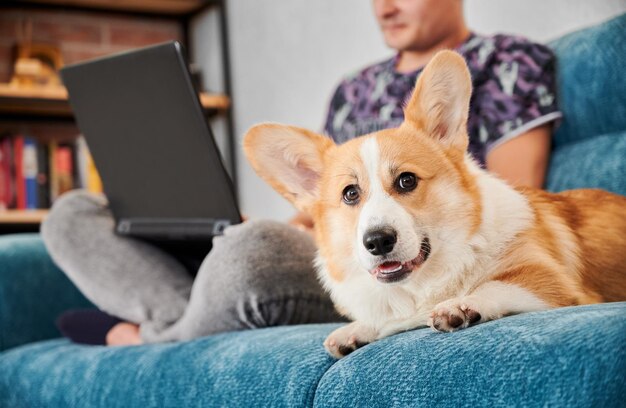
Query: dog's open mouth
395, 271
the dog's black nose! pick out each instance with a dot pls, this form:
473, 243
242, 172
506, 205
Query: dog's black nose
380, 241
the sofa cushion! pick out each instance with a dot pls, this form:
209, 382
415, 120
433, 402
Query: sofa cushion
595, 163
565, 357
591, 85
270, 367
33, 291
571, 357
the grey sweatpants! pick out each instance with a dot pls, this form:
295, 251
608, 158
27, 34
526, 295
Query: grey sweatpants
257, 274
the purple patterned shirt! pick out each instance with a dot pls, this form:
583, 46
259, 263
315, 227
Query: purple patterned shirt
514, 91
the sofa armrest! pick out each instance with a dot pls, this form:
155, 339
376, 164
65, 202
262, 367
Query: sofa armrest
33, 291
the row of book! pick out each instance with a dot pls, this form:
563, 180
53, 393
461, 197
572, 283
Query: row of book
33, 174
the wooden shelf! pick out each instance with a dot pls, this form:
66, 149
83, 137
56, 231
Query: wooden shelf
54, 102
22, 216
173, 8
217, 102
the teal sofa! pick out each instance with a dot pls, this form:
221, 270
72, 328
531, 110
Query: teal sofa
570, 357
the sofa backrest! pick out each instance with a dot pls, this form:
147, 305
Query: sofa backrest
589, 146
591, 77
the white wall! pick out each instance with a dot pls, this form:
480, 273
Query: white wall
540, 20
288, 55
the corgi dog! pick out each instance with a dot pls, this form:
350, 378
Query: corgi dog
411, 231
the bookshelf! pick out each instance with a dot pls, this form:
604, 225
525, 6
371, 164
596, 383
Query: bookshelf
52, 105
22, 216
54, 102
20, 221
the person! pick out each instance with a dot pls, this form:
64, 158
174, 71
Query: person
260, 273
513, 105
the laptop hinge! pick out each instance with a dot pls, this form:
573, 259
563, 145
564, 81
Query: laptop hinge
172, 228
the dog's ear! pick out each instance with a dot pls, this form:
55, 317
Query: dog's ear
440, 102
290, 159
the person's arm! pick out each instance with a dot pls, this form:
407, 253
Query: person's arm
515, 110
523, 160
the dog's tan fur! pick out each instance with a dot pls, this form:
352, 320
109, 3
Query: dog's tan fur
495, 250
572, 254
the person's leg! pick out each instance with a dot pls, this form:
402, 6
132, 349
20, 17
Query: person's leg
258, 274
125, 277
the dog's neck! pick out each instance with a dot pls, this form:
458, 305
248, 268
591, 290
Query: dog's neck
505, 212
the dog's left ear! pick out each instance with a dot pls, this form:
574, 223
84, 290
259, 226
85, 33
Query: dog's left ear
288, 158
440, 102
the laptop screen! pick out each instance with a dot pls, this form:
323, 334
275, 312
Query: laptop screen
149, 138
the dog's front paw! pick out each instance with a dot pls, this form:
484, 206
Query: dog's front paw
346, 339
455, 314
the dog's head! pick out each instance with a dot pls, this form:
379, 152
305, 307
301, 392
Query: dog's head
383, 204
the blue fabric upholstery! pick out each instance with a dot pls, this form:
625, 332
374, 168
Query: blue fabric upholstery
599, 162
277, 367
33, 291
571, 357
590, 77
589, 146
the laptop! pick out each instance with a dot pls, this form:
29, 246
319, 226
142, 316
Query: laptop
161, 169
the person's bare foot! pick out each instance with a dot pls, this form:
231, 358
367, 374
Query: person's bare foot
124, 334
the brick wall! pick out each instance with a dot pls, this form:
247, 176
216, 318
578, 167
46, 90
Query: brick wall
80, 35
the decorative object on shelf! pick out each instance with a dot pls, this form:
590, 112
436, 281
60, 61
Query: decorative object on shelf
35, 65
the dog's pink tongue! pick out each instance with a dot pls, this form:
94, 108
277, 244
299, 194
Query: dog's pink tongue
389, 266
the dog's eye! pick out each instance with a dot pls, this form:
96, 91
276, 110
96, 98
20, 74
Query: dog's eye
351, 195
406, 182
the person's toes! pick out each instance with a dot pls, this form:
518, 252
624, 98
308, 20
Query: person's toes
123, 334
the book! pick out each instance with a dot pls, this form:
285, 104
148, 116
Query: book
34, 173
43, 176
53, 180
30, 168
94, 182
64, 169
18, 168
6, 173
87, 173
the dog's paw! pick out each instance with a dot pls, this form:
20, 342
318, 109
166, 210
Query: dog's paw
455, 314
346, 339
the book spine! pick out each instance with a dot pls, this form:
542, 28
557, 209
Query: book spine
43, 183
81, 161
94, 182
53, 180
74, 169
29, 162
18, 165
88, 174
64, 169
6, 184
